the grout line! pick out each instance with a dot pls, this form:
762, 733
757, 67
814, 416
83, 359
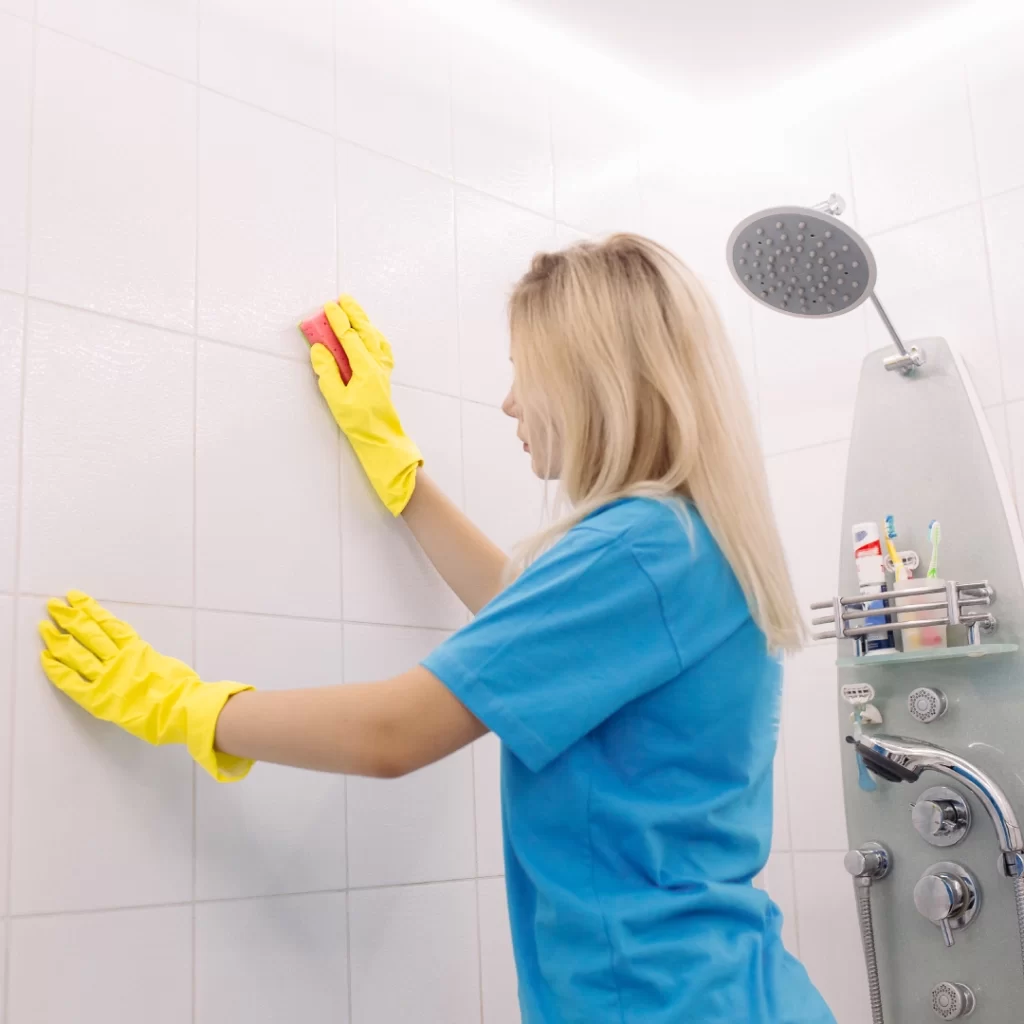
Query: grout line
195, 512
990, 283
261, 615
254, 898
805, 448
341, 505
892, 228
19, 529
462, 503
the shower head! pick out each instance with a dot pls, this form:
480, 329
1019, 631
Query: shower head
805, 262
801, 261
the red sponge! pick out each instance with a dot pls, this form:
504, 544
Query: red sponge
317, 331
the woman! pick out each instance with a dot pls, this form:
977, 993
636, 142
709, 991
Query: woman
627, 660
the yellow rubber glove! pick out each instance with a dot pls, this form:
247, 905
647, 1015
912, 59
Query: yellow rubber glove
102, 664
363, 408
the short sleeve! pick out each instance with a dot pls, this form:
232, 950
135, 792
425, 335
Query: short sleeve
577, 637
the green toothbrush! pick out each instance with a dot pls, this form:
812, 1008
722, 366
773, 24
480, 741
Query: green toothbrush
933, 534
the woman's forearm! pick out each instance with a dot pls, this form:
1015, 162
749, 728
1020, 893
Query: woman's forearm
468, 562
384, 729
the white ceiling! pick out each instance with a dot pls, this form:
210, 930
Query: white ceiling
724, 49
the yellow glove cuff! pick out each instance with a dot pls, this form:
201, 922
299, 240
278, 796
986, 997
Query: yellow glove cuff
204, 707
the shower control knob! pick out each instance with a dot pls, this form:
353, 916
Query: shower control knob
950, 1000
948, 896
941, 816
870, 861
927, 704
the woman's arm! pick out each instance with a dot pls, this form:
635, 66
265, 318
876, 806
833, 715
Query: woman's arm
383, 730
467, 561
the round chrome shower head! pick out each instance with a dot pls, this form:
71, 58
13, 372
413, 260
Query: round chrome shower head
802, 262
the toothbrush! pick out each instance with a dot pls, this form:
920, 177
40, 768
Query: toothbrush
933, 535
890, 536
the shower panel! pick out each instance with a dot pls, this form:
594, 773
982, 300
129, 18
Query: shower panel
949, 756
931, 731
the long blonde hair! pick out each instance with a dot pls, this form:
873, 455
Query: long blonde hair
621, 355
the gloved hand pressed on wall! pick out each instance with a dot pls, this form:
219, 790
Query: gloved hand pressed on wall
363, 408
104, 666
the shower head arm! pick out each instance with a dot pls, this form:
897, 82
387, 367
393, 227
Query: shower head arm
906, 360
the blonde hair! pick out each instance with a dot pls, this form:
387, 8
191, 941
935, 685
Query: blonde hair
621, 356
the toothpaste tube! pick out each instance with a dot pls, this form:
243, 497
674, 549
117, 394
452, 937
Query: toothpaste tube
867, 554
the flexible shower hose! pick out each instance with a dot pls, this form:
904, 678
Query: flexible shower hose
867, 938
1018, 894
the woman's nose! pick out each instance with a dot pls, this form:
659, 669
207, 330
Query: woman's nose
508, 407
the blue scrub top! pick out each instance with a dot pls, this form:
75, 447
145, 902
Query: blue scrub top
638, 709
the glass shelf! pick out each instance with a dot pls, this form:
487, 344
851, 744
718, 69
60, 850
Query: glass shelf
937, 654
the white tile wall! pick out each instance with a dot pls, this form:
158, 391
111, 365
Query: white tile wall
995, 76
15, 118
497, 968
502, 126
778, 881
394, 81
431, 932
933, 280
216, 170
118, 967
420, 828
411, 593
279, 57
503, 497
911, 147
6, 695
108, 453
284, 830
271, 960
267, 510
487, 274
12, 309
266, 225
119, 234
829, 939
153, 32
1004, 221
120, 830
396, 240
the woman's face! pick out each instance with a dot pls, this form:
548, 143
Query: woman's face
539, 442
